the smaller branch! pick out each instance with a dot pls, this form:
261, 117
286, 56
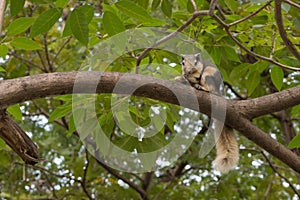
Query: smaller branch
212, 7
61, 48
292, 3
282, 32
83, 182
43, 61
50, 67
258, 55
266, 195
273, 167
142, 192
170, 36
194, 5
251, 15
27, 62
273, 45
2, 9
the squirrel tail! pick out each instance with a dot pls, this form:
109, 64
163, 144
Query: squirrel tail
227, 151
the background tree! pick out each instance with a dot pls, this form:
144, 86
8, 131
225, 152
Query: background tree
255, 44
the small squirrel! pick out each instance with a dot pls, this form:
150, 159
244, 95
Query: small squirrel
205, 76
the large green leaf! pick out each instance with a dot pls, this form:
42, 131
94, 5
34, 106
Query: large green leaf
60, 112
155, 4
19, 25
16, 6
62, 3
295, 142
79, 26
252, 82
45, 21
134, 11
88, 11
15, 111
166, 7
112, 24
25, 43
3, 50
277, 75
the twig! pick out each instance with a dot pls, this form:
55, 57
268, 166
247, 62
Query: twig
2, 8
258, 55
50, 67
251, 15
27, 62
194, 5
61, 48
168, 37
292, 3
212, 7
126, 180
282, 32
83, 182
42, 61
274, 168
273, 45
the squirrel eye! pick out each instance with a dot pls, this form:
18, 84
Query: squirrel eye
182, 62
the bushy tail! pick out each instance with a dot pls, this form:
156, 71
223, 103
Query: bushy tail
227, 151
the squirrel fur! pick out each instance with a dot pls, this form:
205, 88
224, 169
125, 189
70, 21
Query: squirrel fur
205, 76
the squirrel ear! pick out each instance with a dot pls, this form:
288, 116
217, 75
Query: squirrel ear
182, 59
198, 56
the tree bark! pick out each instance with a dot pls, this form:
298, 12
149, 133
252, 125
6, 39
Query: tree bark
239, 113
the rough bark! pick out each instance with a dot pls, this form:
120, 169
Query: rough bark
238, 113
17, 139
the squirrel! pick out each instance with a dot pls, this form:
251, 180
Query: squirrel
205, 76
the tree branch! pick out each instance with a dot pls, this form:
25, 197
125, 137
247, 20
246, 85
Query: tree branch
2, 9
250, 15
170, 36
238, 112
273, 167
292, 4
279, 21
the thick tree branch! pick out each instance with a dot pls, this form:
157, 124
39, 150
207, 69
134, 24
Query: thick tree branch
17, 139
238, 112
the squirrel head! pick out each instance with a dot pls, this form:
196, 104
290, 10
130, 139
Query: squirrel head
191, 63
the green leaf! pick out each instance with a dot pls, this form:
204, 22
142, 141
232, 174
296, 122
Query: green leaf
88, 11
25, 43
67, 29
166, 7
134, 11
62, 3
295, 142
112, 24
253, 82
60, 112
2, 69
143, 3
232, 5
155, 4
15, 111
79, 26
231, 54
16, 6
3, 50
45, 21
19, 25
277, 75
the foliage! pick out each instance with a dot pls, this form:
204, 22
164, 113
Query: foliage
44, 36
